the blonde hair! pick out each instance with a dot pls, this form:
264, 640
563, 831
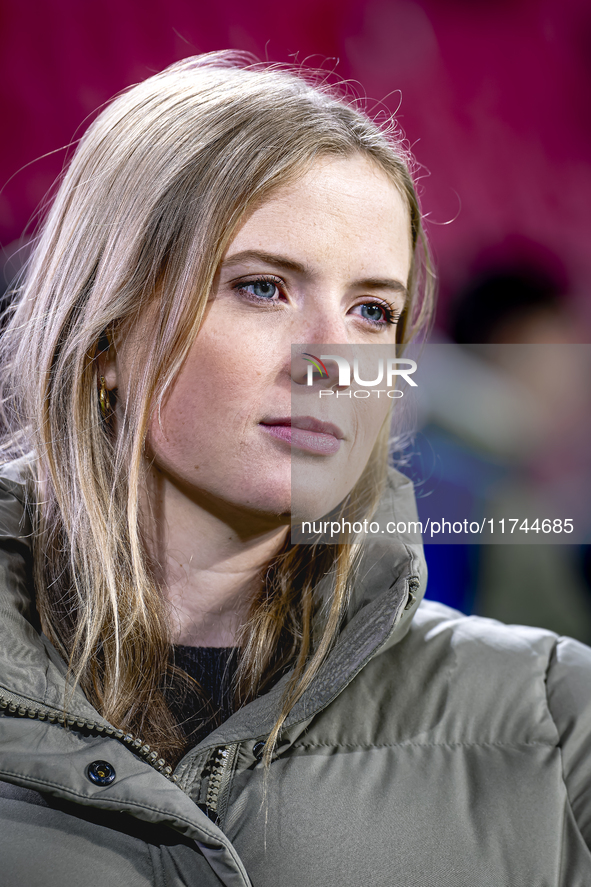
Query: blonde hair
144, 213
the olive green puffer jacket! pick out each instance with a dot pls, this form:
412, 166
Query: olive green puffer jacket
432, 749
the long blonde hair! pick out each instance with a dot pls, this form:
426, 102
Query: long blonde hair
155, 191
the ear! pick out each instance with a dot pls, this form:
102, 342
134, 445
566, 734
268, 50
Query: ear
107, 362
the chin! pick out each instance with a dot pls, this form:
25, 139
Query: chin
270, 499
311, 505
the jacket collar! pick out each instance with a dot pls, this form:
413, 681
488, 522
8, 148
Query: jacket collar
391, 582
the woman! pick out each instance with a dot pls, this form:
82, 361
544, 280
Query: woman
187, 698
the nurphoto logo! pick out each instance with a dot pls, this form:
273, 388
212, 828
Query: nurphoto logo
392, 367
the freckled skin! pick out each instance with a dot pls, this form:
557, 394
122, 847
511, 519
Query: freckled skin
343, 222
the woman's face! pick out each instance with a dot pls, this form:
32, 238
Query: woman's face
324, 260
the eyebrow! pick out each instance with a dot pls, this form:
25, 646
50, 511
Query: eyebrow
383, 283
374, 283
268, 258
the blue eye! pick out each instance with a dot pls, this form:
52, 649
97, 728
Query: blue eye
262, 289
375, 313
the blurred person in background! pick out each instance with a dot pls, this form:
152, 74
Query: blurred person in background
505, 426
519, 304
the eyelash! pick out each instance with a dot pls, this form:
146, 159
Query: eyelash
391, 316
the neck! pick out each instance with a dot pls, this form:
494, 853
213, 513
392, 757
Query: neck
209, 566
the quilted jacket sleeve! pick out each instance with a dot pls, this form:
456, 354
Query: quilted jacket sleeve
569, 698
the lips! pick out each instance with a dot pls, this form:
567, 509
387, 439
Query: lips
306, 433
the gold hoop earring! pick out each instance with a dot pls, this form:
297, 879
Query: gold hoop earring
104, 401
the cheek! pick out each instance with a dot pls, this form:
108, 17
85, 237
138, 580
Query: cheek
370, 416
199, 406
174, 438
371, 413
211, 410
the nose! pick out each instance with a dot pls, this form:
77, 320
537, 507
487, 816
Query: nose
322, 323
323, 329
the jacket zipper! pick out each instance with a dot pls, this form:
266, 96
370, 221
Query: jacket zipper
216, 772
136, 745
413, 585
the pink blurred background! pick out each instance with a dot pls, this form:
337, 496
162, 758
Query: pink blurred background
493, 97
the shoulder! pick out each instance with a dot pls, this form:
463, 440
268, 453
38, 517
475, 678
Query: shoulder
466, 680
483, 653
495, 656
569, 700
16, 495
563, 664
445, 629
511, 684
